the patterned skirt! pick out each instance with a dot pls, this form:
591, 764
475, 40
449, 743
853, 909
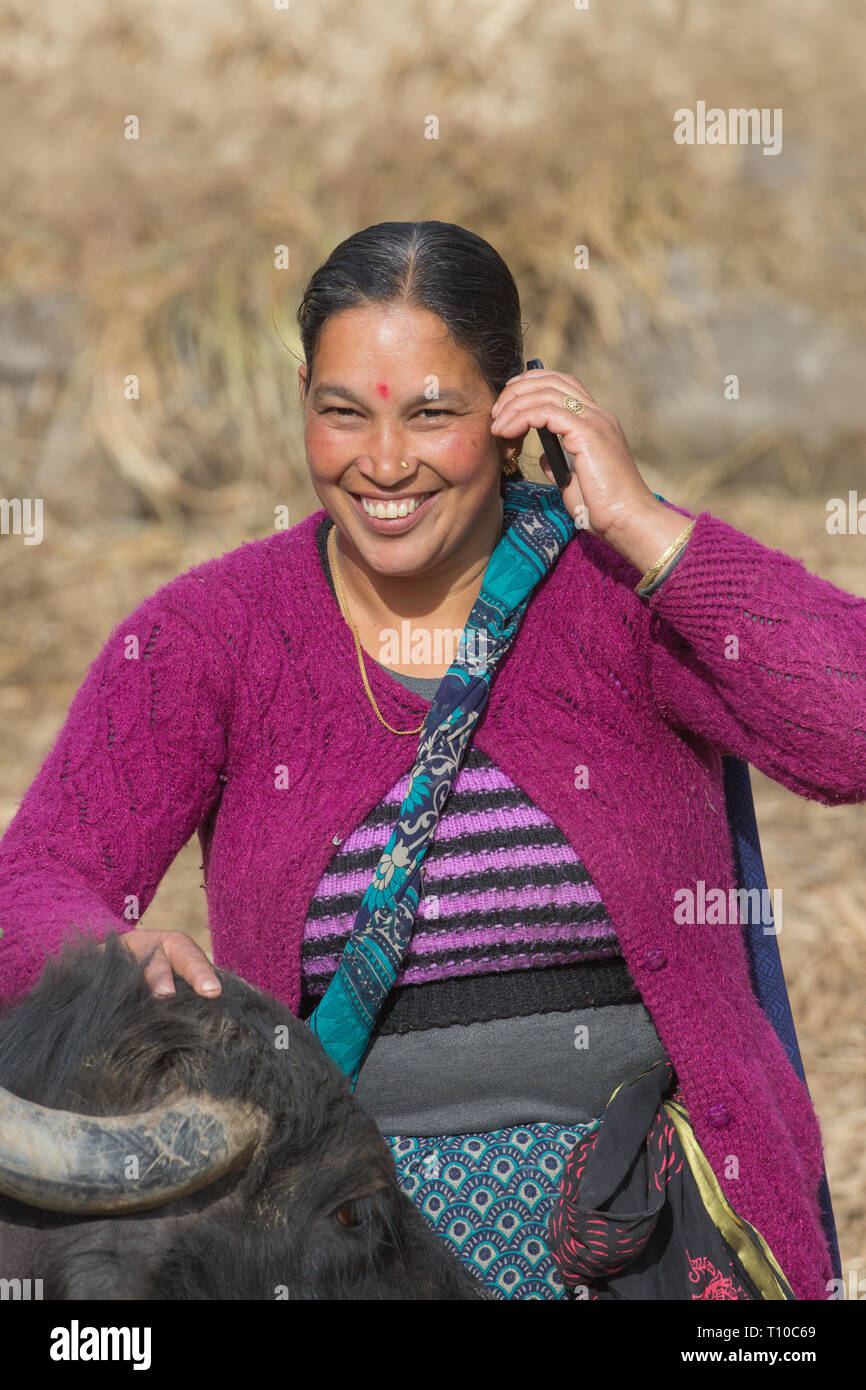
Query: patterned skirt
489, 1196
624, 1209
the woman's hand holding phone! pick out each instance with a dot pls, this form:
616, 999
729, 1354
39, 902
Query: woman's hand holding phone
606, 494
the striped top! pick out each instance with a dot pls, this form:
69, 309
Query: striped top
503, 888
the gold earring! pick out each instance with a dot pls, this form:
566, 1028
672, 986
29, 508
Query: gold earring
512, 459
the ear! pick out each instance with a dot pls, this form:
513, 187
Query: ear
507, 445
302, 382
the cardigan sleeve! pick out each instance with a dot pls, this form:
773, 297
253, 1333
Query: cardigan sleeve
763, 659
133, 771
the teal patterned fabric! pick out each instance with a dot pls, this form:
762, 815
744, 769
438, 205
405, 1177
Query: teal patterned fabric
537, 527
489, 1196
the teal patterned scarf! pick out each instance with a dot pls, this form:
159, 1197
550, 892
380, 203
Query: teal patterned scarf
537, 529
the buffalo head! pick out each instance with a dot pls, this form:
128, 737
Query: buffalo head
190, 1148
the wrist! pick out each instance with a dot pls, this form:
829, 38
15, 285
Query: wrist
646, 588
642, 534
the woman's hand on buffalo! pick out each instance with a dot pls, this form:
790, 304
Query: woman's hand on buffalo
176, 954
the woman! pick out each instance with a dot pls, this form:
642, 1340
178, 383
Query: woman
546, 1013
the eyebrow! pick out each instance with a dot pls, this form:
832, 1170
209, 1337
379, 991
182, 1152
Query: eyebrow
450, 395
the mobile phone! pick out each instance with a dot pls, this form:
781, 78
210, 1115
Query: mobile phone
552, 444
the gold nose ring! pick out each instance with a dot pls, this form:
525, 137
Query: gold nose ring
403, 463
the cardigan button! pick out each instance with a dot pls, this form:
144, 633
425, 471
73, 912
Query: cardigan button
655, 959
719, 1115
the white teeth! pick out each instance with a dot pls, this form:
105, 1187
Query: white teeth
387, 510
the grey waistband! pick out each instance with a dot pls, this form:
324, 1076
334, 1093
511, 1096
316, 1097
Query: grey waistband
473, 1078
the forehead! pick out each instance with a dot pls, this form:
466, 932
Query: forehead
389, 346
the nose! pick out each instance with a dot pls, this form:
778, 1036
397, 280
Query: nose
388, 473
384, 464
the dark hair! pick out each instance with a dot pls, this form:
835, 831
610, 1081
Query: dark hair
426, 265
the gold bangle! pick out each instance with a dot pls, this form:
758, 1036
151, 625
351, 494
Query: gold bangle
669, 554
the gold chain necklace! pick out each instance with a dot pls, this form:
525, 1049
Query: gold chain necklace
335, 570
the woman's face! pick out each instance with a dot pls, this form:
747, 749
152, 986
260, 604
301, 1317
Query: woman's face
389, 384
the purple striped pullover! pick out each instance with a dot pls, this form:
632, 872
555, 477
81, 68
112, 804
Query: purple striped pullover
243, 716
503, 889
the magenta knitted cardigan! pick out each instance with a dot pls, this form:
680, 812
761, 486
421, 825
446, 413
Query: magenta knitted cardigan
231, 701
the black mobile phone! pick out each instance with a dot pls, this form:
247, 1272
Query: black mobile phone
552, 444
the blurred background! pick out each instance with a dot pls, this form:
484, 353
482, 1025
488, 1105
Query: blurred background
264, 127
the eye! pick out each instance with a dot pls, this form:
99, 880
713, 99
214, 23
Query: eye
344, 410
348, 1215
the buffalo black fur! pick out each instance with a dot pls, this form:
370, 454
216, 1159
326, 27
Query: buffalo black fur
90, 1037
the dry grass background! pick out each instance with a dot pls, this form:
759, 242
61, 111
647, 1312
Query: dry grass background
262, 128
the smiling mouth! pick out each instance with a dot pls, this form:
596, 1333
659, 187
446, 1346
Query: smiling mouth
394, 507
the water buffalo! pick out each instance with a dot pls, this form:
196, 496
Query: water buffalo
234, 1163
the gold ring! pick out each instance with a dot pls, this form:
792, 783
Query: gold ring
574, 404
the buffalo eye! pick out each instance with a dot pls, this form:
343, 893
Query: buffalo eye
348, 1215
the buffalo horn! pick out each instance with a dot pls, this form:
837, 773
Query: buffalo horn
62, 1161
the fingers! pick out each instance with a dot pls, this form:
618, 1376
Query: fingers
175, 954
536, 403
528, 404
190, 962
159, 974
559, 381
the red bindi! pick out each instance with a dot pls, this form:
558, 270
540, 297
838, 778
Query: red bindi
382, 388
